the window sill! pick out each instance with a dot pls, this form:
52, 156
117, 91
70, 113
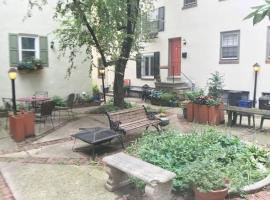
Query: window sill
189, 6
229, 61
147, 78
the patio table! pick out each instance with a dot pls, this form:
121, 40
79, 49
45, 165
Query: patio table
33, 101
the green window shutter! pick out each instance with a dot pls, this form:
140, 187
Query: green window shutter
13, 50
43, 50
157, 65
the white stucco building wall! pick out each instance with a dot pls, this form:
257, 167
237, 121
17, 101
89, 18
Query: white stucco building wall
52, 78
200, 27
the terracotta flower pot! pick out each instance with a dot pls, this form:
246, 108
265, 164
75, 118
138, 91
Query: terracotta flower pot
190, 112
29, 124
213, 115
16, 127
203, 114
196, 112
213, 195
221, 113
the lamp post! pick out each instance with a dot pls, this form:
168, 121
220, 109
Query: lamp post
256, 68
102, 73
12, 74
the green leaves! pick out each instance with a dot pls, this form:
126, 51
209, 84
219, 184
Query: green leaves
203, 158
260, 12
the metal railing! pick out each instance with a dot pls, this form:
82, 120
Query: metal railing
190, 82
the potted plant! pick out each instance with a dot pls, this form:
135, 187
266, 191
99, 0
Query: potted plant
96, 93
215, 89
30, 65
202, 109
192, 109
208, 180
213, 111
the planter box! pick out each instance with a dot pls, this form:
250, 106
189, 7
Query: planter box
22, 125
196, 112
16, 127
203, 114
221, 113
213, 115
190, 111
29, 124
213, 195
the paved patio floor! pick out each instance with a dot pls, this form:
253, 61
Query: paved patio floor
46, 168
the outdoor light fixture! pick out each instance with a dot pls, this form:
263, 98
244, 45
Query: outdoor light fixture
52, 44
256, 68
102, 73
12, 74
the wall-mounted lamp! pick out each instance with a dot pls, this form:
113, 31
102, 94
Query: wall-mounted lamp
184, 42
52, 45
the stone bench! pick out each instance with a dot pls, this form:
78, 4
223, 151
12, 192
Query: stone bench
158, 181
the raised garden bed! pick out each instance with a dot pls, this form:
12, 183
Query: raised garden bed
207, 153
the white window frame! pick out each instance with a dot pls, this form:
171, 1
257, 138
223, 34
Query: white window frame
143, 66
189, 5
222, 34
37, 51
268, 45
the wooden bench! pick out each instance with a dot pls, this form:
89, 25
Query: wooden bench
131, 119
233, 111
158, 181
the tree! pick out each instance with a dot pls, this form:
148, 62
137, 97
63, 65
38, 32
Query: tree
112, 27
260, 12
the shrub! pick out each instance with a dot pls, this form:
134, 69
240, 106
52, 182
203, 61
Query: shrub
188, 156
109, 107
215, 85
58, 101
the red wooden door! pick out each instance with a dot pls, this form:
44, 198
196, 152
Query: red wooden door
174, 57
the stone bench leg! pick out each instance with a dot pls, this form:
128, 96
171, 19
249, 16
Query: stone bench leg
116, 180
159, 191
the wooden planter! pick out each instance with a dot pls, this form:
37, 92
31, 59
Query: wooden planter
213, 195
203, 114
213, 115
190, 111
196, 112
16, 127
221, 113
29, 124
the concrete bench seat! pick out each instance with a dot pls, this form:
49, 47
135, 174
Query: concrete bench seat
158, 181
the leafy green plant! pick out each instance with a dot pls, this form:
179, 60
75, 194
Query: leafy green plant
95, 90
193, 95
204, 158
32, 64
215, 85
260, 12
58, 101
109, 107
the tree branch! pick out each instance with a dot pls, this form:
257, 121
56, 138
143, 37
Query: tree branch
92, 33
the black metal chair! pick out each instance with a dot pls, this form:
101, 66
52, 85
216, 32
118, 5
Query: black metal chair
68, 106
46, 110
7, 102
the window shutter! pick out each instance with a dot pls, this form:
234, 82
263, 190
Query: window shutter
13, 50
161, 18
139, 65
43, 50
157, 65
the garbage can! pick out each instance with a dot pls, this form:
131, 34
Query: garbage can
264, 102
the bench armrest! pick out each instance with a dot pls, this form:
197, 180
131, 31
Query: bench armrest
115, 125
151, 116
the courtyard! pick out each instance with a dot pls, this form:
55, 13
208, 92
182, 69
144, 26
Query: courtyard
46, 167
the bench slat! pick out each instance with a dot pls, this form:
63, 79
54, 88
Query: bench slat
135, 167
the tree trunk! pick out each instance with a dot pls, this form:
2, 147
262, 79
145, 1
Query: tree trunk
118, 87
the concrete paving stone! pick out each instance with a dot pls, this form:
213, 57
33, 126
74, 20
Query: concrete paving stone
50, 182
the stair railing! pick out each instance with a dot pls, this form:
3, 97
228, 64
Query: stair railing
190, 82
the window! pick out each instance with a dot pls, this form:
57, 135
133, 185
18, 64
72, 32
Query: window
230, 47
148, 65
155, 21
28, 48
268, 46
190, 3
147, 69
